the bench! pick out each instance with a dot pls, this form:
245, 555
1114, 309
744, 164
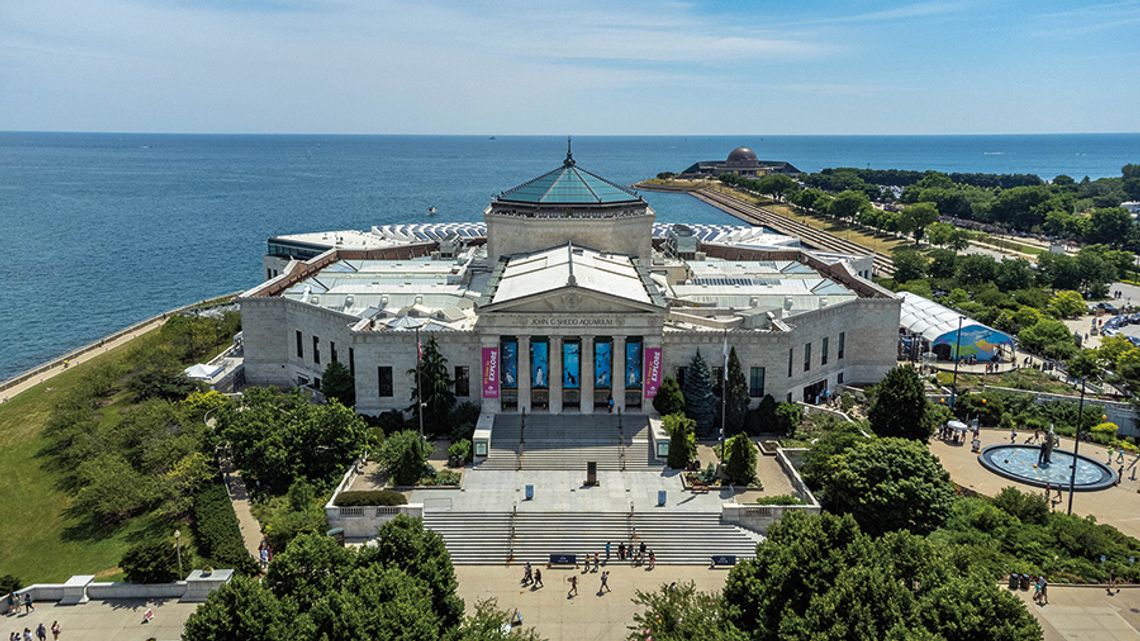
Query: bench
723, 560
562, 559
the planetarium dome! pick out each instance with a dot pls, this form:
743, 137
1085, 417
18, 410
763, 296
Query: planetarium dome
742, 156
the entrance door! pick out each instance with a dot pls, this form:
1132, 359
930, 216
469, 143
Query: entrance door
813, 392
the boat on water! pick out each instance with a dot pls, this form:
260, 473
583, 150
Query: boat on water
431, 211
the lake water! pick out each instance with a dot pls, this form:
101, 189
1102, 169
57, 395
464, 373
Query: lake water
102, 230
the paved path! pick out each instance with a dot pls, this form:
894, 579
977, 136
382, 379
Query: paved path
117, 620
58, 366
1118, 506
1087, 613
587, 617
239, 498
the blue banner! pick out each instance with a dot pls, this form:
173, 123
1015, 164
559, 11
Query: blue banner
539, 364
510, 363
633, 365
603, 364
571, 368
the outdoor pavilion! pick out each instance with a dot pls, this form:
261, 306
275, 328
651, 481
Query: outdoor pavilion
938, 328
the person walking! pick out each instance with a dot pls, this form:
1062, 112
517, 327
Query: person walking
55, 630
597, 564
28, 607
621, 551
652, 560
573, 587
528, 574
1112, 583
537, 578
41, 632
27, 634
605, 582
607, 552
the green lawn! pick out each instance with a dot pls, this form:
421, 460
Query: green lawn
1026, 378
39, 541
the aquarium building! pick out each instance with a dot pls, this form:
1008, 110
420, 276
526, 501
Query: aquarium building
567, 295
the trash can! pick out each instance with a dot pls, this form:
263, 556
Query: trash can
337, 533
660, 498
529, 491
1024, 581
1014, 580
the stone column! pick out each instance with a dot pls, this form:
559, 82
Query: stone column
618, 377
490, 405
554, 376
524, 373
586, 375
647, 342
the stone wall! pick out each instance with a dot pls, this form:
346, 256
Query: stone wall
629, 235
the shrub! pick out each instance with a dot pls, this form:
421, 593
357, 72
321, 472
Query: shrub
763, 418
1028, 508
404, 456
682, 439
741, 464
780, 499
670, 399
217, 532
387, 498
463, 419
151, 561
9, 584
440, 477
788, 417
337, 384
459, 453
299, 512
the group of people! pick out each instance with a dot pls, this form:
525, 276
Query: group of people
532, 577
40, 634
641, 555
264, 554
602, 589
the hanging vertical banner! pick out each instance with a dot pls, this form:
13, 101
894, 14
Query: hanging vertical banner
603, 363
539, 364
633, 365
571, 366
653, 371
490, 372
510, 364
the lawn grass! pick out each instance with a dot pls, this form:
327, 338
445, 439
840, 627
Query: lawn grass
1025, 378
39, 540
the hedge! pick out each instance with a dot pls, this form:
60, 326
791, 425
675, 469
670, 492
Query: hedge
370, 498
217, 533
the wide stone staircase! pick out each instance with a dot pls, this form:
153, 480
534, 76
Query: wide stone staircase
497, 538
552, 442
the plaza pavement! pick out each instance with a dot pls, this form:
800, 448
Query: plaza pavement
588, 616
1087, 613
1117, 506
117, 620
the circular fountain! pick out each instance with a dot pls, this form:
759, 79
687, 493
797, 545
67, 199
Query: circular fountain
1026, 464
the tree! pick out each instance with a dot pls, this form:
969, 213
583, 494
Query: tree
682, 440
909, 265
763, 417
405, 543
848, 203
788, 417
244, 609
916, 217
1049, 338
891, 484
1067, 304
404, 456
899, 406
939, 233
741, 464
1110, 226
700, 404
776, 185
151, 561
670, 399
681, 613
1014, 273
337, 383
488, 623
736, 403
439, 389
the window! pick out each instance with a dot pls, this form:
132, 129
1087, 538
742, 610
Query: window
791, 351
842, 340
332, 351
317, 350
807, 356
462, 380
756, 382
789, 397
823, 352
351, 362
384, 376
839, 379
300, 346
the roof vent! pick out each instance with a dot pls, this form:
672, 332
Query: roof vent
348, 301
823, 301
788, 303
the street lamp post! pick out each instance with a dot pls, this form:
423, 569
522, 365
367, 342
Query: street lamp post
178, 549
1076, 445
957, 358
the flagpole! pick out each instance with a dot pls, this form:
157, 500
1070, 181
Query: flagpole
723, 392
419, 383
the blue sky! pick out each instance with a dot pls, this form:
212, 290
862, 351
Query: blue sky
507, 67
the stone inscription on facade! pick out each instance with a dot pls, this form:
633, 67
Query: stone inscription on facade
575, 321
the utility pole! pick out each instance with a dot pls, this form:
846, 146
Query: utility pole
419, 382
1077, 445
957, 358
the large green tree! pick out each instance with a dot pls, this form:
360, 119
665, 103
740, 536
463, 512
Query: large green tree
899, 407
681, 613
700, 404
337, 383
682, 440
736, 403
439, 389
670, 399
890, 484
404, 455
741, 464
916, 217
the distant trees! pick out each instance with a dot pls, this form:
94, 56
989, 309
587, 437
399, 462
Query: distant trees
909, 265
1049, 338
916, 217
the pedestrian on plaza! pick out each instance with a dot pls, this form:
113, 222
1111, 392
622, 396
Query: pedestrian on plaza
27, 634
264, 557
13, 604
28, 607
1059, 498
537, 578
610, 403
573, 587
652, 560
55, 630
528, 574
1120, 455
605, 583
1013, 435
1113, 583
41, 632
1109, 461
607, 552
1119, 474
597, 564
621, 551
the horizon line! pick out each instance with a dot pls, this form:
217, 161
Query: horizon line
559, 135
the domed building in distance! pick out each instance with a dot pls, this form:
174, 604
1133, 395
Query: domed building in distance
741, 161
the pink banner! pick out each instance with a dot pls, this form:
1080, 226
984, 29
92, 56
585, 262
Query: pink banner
490, 372
653, 371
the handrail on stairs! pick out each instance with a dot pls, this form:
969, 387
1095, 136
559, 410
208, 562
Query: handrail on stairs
621, 442
511, 538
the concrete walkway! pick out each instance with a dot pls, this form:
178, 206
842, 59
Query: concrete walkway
239, 498
119, 620
1087, 613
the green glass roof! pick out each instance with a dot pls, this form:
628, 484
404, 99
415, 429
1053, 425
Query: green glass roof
569, 184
